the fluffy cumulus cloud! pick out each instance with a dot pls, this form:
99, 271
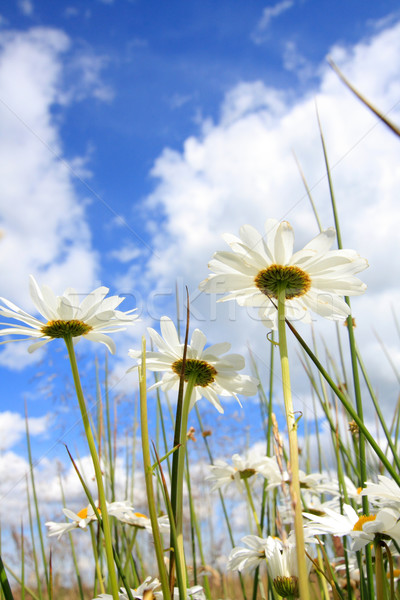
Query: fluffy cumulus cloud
42, 224
241, 169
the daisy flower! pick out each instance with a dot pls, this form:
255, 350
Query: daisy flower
282, 567
81, 519
125, 513
222, 474
93, 318
315, 277
216, 375
362, 529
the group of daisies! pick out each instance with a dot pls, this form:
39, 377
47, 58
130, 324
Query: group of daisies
320, 518
254, 272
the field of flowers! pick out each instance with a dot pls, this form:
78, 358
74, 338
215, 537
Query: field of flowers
330, 533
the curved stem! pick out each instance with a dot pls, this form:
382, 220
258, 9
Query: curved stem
293, 451
97, 469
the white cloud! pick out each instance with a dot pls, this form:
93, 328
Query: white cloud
241, 170
269, 13
41, 213
43, 221
12, 428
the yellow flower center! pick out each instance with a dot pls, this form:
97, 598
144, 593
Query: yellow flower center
295, 281
82, 514
205, 373
62, 329
287, 586
363, 519
140, 515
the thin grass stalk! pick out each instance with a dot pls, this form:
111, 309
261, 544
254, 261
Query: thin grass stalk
129, 560
252, 507
268, 404
18, 580
180, 575
193, 516
111, 454
325, 407
221, 497
394, 128
98, 575
22, 563
35, 559
293, 450
308, 192
35, 500
378, 410
354, 365
348, 407
179, 550
388, 357
164, 434
50, 577
148, 473
72, 545
97, 469
177, 441
341, 355
5, 585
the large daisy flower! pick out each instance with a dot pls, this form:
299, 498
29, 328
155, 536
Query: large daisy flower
94, 317
315, 277
216, 375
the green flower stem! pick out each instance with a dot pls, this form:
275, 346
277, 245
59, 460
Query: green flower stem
179, 551
148, 474
97, 469
293, 451
379, 571
253, 508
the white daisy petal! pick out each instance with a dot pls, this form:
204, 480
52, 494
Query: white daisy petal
215, 373
315, 278
66, 316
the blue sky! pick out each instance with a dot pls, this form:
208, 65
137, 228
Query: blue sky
135, 133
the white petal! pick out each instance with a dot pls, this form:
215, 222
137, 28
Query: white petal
168, 331
284, 241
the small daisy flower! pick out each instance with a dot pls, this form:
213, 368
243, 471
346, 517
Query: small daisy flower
216, 375
222, 474
125, 513
282, 567
93, 318
81, 519
315, 277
